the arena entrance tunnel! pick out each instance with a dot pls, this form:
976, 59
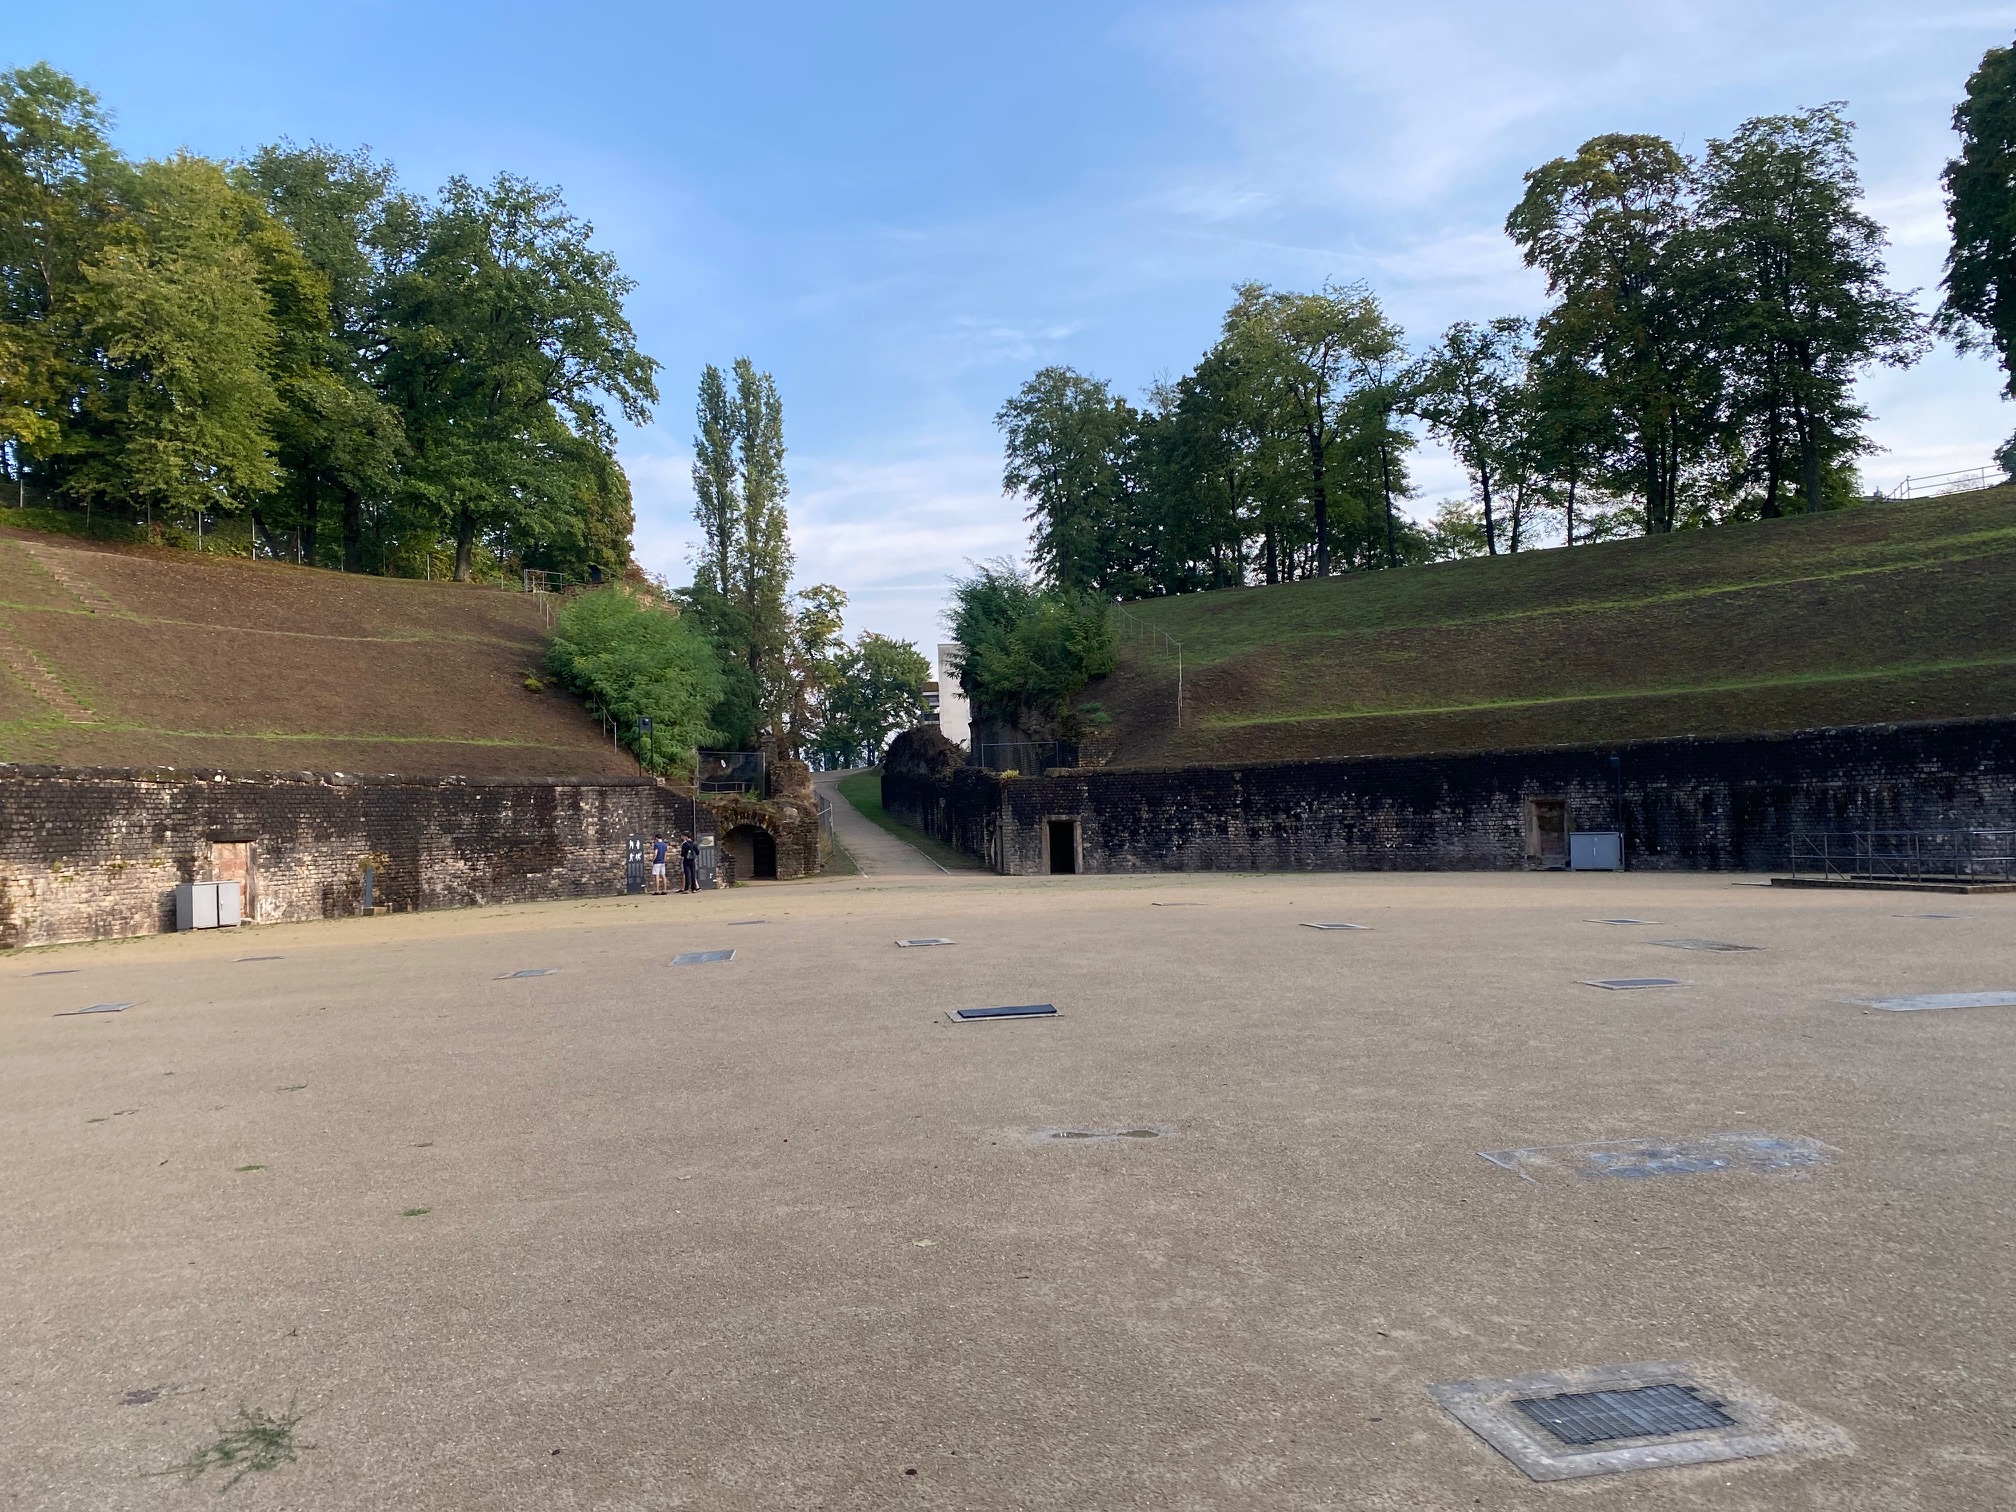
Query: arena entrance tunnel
750, 852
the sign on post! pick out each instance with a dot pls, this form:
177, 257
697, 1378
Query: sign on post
633, 865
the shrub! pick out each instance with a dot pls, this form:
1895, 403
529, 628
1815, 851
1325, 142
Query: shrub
629, 660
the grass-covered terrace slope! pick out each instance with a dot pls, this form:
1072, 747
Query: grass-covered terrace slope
129, 655
1885, 612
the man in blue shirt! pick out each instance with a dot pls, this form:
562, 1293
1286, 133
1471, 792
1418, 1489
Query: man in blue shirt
658, 851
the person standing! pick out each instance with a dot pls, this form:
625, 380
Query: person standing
689, 865
658, 854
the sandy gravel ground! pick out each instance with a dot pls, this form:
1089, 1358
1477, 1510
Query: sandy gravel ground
772, 1234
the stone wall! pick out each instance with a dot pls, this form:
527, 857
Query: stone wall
1707, 805
96, 853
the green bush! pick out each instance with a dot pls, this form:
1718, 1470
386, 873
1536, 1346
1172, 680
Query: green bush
629, 659
1029, 650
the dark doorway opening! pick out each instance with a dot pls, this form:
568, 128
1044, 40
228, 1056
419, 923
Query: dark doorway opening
1547, 832
1063, 847
751, 853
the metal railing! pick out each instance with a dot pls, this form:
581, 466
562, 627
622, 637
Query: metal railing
1027, 756
1932, 485
1950, 855
538, 580
1157, 640
730, 771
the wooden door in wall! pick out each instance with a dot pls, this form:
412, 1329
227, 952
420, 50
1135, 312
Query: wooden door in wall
231, 861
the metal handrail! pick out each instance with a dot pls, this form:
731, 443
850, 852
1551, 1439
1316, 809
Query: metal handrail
1906, 855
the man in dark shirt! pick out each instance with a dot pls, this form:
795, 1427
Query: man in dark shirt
658, 853
689, 861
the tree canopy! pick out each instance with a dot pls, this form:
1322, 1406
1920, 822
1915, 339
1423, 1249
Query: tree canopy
379, 381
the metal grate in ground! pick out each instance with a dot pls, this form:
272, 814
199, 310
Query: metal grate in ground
1597, 1417
702, 957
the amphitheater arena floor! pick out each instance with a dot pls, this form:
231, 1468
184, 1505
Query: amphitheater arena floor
772, 1233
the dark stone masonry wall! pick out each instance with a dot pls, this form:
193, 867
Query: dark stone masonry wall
96, 853
1706, 805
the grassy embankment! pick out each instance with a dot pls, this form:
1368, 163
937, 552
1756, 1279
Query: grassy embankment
1888, 612
133, 655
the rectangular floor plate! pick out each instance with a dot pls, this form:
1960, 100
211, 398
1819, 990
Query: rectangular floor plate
702, 957
1620, 921
243, 959
1705, 945
95, 1008
530, 971
1926, 1001
1022, 1011
1635, 1159
1633, 984
1307, 925
739, 923
919, 943
1561, 1425
66, 971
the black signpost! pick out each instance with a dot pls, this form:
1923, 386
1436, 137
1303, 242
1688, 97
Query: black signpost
633, 865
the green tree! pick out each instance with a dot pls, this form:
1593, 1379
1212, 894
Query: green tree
630, 659
1800, 304
501, 319
180, 302
1606, 228
743, 568
1313, 356
58, 176
338, 441
1980, 305
1472, 394
1029, 650
878, 691
1069, 445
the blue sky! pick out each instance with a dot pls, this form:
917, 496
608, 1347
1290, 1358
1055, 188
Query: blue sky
903, 210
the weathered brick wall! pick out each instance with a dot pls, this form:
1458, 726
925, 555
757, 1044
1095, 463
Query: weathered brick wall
927, 784
96, 853
1711, 805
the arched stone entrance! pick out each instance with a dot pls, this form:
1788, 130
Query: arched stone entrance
750, 854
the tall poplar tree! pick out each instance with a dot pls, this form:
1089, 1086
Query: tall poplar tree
743, 569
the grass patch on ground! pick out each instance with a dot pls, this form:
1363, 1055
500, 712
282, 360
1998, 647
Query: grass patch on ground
864, 791
1889, 612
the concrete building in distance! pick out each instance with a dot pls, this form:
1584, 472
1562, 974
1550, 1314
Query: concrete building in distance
955, 715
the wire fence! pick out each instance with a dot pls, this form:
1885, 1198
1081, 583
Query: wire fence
1962, 855
1135, 629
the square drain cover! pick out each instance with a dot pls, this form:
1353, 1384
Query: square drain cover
916, 944
1620, 921
1026, 1010
1336, 926
66, 971
1704, 945
1635, 1159
702, 957
1597, 1417
1561, 1425
528, 972
95, 1008
739, 923
243, 959
1930, 1000
1632, 984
